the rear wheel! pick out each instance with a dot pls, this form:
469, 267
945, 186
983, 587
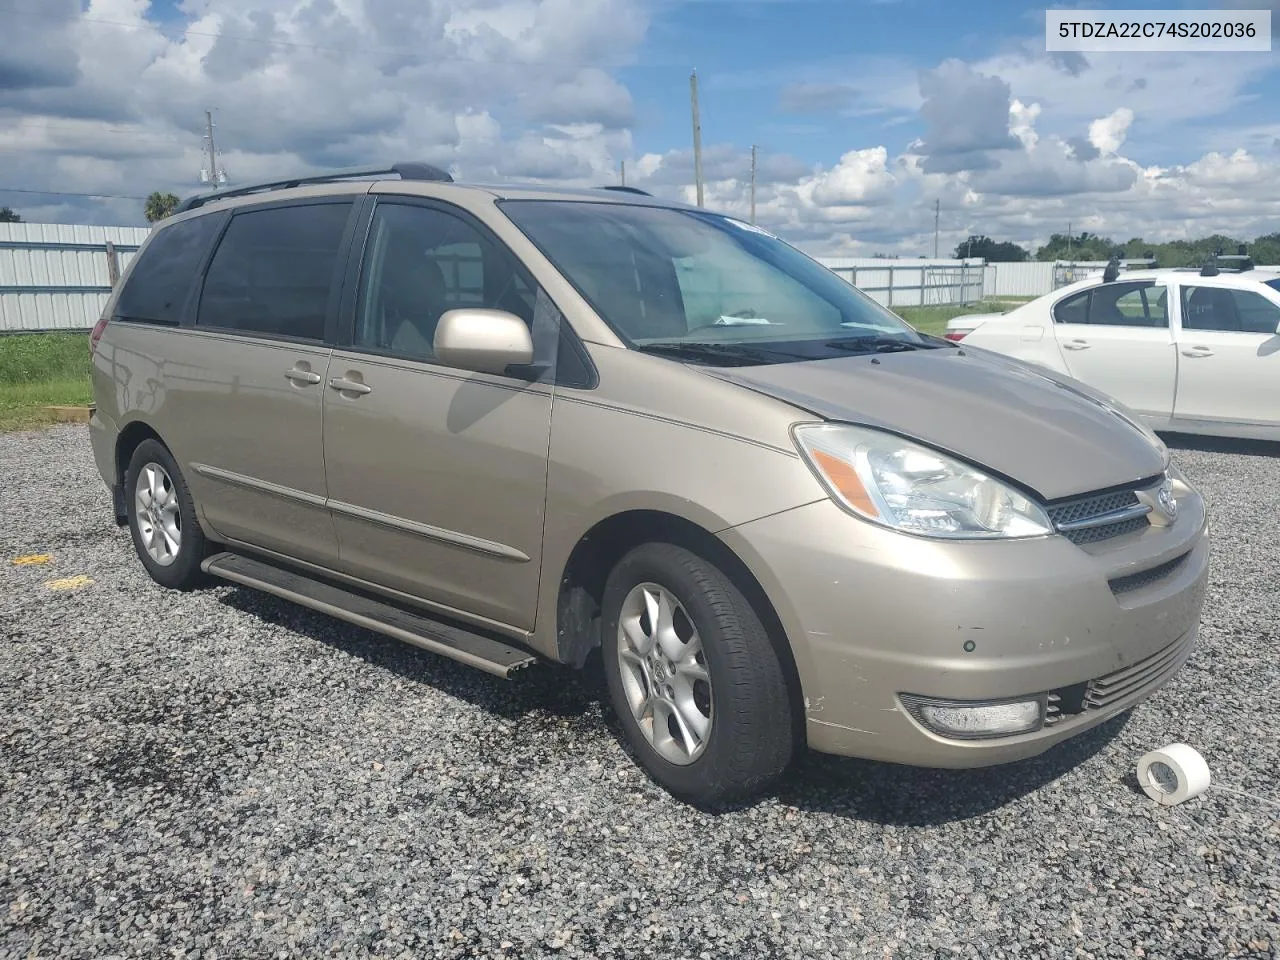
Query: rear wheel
693, 677
162, 518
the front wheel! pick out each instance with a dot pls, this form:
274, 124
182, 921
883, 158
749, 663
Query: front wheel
162, 518
692, 674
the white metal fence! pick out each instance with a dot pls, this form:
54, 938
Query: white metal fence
912, 283
58, 276
1030, 279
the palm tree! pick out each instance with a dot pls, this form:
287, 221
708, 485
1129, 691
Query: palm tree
8, 216
159, 206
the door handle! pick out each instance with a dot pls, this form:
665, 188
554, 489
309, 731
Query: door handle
1076, 345
343, 385
1197, 352
298, 375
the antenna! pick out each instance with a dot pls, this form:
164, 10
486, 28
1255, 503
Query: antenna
210, 171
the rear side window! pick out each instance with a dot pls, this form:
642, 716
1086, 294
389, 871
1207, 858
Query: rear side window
160, 281
274, 271
1219, 308
1074, 309
1141, 304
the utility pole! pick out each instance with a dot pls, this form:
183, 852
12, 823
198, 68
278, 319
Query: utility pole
1068, 239
623, 168
212, 174
937, 212
753, 184
697, 135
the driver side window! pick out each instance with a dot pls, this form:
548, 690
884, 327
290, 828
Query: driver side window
419, 264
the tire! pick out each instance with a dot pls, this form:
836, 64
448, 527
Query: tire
175, 511
747, 741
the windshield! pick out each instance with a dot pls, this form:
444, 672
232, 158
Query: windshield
1273, 284
706, 288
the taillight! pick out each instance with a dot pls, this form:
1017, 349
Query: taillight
96, 335
955, 334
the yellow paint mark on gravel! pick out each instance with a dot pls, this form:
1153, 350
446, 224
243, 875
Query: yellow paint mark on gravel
69, 583
33, 560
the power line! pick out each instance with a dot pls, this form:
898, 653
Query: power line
39, 123
64, 193
396, 51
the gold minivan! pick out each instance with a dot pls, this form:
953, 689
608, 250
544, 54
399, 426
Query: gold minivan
507, 423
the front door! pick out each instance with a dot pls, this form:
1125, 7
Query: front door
437, 476
1228, 356
247, 378
1116, 337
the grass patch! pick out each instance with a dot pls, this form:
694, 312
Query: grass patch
934, 319
42, 370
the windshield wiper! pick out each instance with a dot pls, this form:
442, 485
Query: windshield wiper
723, 354
876, 345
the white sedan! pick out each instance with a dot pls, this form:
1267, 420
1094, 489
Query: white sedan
1190, 351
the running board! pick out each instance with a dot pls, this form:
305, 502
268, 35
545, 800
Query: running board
474, 649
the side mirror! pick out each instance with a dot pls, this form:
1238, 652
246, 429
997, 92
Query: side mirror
486, 341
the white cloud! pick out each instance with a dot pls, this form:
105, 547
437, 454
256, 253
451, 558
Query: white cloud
511, 88
1022, 122
860, 179
1013, 146
1107, 133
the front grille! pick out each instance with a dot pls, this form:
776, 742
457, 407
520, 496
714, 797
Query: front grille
1100, 693
1087, 508
1136, 581
1106, 532
1105, 691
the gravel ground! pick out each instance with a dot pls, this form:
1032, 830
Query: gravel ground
221, 774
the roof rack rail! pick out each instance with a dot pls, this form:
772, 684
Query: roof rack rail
623, 189
407, 170
1234, 263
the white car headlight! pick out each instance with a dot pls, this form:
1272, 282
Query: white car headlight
909, 487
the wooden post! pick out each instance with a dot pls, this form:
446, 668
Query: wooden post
113, 264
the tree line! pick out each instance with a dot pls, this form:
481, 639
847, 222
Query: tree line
1091, 246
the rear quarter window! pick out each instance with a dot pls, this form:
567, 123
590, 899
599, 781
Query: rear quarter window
162, 276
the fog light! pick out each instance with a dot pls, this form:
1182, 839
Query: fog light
976, 719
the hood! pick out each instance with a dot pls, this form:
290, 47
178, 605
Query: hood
1054, 436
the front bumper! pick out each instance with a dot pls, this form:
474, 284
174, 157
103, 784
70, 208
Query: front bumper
871, 614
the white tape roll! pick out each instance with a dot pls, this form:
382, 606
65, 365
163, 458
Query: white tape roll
1173, 774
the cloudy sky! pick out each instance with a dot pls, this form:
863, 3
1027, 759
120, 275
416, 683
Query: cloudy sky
865, 111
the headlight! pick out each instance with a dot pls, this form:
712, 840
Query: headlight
909, 487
